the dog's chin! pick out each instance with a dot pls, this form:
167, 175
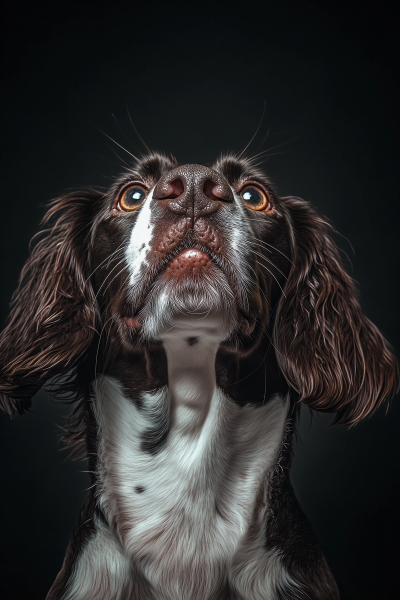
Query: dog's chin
192, 296
191, 305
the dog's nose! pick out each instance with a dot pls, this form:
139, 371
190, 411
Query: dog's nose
193, 190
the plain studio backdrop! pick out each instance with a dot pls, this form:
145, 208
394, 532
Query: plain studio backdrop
195, 79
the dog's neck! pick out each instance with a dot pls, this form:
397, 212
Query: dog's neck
183, 471
191, 344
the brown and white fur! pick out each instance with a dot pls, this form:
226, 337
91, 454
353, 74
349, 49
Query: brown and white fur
186, 330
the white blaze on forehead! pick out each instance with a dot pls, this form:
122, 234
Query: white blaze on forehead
241, 237
140, 241
241, 230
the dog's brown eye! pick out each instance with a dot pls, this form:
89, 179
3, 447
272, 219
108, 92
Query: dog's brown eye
132, 198
254, 197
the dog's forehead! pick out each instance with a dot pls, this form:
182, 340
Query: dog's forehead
236, 170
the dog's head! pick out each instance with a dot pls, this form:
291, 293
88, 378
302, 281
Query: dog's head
190, 239
115, 272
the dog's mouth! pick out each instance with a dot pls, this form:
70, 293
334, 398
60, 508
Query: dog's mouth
193, 266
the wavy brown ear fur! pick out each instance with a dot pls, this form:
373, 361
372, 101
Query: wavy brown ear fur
330, 353
53, 315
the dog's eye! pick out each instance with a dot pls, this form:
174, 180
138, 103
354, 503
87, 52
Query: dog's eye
132, 197
254, 197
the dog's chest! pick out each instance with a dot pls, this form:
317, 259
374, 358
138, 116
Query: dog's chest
188, 501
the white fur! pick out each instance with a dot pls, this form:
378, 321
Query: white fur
102, 571
140, 241
188, 532
241, 237
257, 573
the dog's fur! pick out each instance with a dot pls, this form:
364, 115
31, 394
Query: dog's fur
186, 333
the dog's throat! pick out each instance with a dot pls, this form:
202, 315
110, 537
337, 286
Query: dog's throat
191, 345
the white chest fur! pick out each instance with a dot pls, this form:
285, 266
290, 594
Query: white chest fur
184, 514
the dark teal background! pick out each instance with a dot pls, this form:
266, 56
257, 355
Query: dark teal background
195, 78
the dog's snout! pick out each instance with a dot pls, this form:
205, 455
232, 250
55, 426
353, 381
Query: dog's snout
193, 190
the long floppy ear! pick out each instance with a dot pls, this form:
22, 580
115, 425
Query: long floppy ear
53, 315
329, 352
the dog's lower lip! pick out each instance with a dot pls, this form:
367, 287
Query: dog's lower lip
192, 253
186, 255
188, 263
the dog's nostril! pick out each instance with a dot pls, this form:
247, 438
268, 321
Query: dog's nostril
175, 188
216, 191
210, 190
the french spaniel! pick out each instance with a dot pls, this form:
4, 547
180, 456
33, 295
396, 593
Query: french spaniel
187, 313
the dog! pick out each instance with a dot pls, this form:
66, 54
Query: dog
187, 313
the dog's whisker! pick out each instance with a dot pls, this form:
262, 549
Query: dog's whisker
119, 165
274, 147
108, 275
265, 267
257, 130
116, 143
123, 132
87, 520
108, 258
267, 157
115, 276
97, 355
269, 261
137, 133
115, 257
124, 162
264, 243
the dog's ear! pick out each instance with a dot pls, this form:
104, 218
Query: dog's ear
53, 315
329, 352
